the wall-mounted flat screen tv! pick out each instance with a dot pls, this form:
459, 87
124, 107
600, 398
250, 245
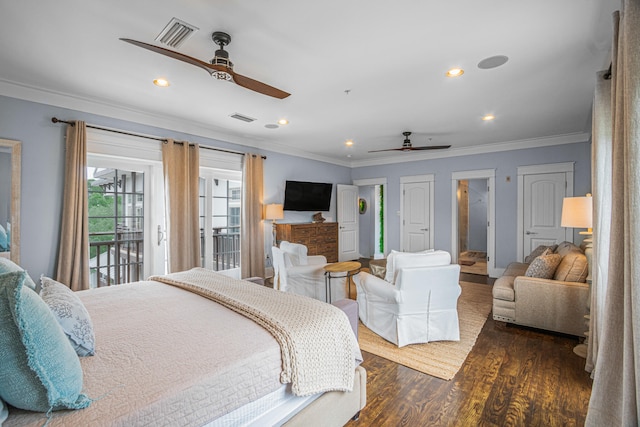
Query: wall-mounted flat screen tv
307, 196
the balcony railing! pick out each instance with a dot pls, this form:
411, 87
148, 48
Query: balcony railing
116, 261
226, 248
121, 260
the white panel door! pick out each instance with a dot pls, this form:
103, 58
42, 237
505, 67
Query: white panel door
543, 195
415, 221
348, 239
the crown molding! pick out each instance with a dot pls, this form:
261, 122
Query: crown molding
126, 113
569, 138
129, 114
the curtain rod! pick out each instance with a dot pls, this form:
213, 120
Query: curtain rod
164, 140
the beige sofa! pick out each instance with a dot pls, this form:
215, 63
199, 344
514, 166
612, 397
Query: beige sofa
557, 304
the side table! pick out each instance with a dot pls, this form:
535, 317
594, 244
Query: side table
350, 268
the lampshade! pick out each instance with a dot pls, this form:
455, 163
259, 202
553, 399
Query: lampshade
274, 211
577, 212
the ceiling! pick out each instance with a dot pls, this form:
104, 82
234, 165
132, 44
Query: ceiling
361, 70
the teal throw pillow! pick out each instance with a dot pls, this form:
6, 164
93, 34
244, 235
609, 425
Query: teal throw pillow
8, 266
39, 370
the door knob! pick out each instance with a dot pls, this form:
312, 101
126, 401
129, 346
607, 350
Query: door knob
530, 232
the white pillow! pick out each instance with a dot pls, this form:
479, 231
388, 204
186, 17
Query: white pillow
389, 275
429, 258
71, 314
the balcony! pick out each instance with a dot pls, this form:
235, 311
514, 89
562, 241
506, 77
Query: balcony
226, 248
116, 260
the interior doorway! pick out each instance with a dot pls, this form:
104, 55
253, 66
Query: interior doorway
373, 215
472, 198
473, 222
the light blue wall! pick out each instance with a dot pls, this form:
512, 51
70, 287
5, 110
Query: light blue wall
43, 165
505, 164
43, 176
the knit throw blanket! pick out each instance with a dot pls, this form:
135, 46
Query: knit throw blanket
319, 350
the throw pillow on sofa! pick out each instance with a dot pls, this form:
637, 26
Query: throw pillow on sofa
544, 266
537, 252
573, 268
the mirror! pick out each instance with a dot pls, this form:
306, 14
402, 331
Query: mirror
10, 160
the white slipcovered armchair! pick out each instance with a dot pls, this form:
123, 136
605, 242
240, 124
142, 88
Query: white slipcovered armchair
417, 301
296, 272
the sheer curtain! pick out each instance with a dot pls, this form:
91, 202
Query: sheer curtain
181, 167
252, 234
614, 395
73, 250
601, 183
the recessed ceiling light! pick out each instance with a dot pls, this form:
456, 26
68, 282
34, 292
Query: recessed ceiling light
455, 72
161, 82
349, 143
488, 117
271, 126
283, 122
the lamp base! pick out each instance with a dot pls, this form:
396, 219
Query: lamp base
581, 350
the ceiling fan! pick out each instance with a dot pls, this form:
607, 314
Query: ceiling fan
406, 146
220, 66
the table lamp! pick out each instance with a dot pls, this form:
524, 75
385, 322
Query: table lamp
577, 212
274, 212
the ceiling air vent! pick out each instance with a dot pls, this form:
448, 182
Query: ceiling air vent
176, 33
243, 118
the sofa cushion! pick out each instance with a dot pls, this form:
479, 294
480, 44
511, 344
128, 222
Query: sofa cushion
538, 251
573, 268
516, 269
566, 247
544, 266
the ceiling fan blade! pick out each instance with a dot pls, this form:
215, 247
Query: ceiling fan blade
431, 147
257, 86
388, 149
173, 54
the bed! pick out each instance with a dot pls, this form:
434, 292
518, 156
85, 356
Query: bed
180, 350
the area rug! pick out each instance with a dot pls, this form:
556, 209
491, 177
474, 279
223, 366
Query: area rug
440, 359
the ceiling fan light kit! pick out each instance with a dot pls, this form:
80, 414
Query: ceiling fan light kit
220, 67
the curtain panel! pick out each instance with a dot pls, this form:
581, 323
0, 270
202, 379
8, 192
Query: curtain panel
181, 167
252, 232
601, 186
73, 250
615, 391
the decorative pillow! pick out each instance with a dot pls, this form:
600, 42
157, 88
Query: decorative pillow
567, 247
71, 314
39, 371
8, 266
544, 266
537, 252
573, 268
4, 241
4, 412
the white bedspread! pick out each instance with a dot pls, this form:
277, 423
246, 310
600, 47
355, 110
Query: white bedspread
318, 349
165, 356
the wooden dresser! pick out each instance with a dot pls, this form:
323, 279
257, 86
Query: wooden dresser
320, 238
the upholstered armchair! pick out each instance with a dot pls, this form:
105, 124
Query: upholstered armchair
417, 300
296, 272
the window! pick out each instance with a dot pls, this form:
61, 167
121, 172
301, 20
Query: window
116, 226
220, 204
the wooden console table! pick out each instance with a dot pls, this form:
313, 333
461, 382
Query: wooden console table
320, 238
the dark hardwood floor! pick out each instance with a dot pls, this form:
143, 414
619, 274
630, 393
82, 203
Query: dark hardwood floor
514, 376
